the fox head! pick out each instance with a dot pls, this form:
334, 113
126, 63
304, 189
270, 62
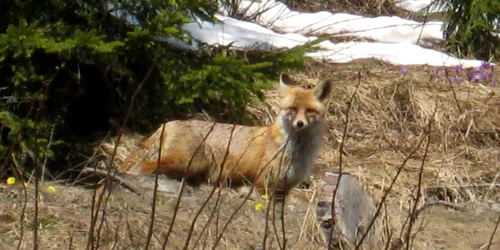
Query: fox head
300, 107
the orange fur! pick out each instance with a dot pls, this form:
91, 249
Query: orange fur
279, 155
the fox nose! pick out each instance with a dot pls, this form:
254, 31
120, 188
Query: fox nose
300, 124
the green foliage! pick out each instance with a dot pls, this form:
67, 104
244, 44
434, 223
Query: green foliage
472, 27
68, 68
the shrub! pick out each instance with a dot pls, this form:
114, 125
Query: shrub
70, 68
471, 27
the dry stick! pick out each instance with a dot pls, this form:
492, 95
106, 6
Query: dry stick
284, 197
244, 200
219, 196
341, 150
426, 16
388, 231
454, 93
276, 186
266, 228
217, 220
191, 229
216, 207
413, 215
48, 148
94, 215
117, 178
70, 242
274, 196
37, 179
493, 233
155, 189
25, 203
183, 185
384, 197
19, 172
37, 167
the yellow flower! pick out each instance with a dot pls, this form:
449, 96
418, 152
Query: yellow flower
51, 188
11, 180
259, 206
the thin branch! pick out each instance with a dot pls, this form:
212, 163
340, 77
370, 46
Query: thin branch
454, 93
94, 215
191, 229
183, 185
155, 190
493, 233
413, 215
386, 194
341, 150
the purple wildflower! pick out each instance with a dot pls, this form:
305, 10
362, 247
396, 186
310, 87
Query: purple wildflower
478, 77
494, 84
459, 68
470, 75
489, 75
456, 79
485, 65
404, 70
435, 71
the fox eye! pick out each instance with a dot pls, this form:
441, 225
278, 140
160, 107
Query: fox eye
292, 109
310, 111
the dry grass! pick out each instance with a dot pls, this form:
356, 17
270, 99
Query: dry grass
65, 213
387, 119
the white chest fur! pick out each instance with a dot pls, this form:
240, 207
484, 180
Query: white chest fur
301, 149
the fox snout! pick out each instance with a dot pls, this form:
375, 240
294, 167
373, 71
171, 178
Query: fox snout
299, 124
299, 121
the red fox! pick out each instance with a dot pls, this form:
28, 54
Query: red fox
274, 157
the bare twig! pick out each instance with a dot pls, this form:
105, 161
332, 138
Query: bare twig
107, 184
454, 93
341, 150
48, 148
183, 185
389, 189
155, 190
493, 233
219, 237
191, 229
115, 177
413, 215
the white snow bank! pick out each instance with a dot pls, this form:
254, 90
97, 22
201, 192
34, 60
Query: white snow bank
244, 35
278, 16
399, 54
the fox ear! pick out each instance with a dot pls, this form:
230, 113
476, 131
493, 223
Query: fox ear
285, 83
323, 90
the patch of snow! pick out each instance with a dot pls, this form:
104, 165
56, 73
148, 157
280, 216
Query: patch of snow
397, 54
393, 29
396, 36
